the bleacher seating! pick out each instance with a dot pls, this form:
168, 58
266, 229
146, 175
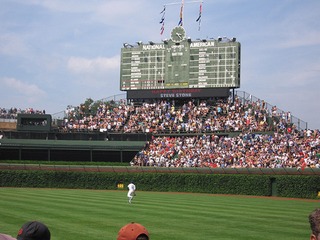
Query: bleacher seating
186, 132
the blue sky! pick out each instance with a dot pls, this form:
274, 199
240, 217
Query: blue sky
55, 53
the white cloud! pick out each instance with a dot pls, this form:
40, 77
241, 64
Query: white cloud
63, 6
110, 11
97, 65
12, 45
298, 28
310, 38
31, 91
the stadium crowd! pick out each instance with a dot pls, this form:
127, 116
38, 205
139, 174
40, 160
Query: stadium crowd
287, 147
12, 113
265, 138
247, 150
163, 116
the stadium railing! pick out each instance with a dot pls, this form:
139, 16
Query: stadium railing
244, 96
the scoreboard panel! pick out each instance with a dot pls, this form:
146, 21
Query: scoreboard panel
179, 65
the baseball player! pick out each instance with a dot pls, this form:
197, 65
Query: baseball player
131, 191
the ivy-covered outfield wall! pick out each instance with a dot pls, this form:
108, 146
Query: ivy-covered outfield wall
257, 185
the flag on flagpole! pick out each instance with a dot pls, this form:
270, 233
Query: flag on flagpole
199, 17
200, 12
164, 9
162, 29
181, 14
163, 12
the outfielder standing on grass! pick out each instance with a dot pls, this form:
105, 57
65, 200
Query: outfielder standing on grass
132, 191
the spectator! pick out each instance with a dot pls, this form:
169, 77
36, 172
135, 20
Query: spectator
133, 231
6, 237
314, 220
34, 230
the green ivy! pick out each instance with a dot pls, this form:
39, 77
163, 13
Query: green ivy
241, 184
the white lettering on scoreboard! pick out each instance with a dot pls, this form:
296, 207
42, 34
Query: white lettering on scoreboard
202, 44
153, 47
177, 95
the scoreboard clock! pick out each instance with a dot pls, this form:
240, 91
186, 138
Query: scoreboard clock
178, 34
180, 63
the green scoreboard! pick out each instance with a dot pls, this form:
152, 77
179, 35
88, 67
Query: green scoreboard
180, 63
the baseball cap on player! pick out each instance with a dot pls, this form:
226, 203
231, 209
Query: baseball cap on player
33, 230
6, 237
132, 231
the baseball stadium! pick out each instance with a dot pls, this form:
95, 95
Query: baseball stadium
207, 160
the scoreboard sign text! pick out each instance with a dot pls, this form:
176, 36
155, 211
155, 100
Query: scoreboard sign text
187, 64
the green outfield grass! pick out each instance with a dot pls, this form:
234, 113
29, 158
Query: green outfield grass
98, 215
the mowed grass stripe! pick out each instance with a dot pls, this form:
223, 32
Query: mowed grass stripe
246, 213
73, 208
242, 216
79, 214
266, 209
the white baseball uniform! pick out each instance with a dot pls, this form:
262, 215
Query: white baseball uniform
131, 192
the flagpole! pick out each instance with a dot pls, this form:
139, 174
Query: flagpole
182, 2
